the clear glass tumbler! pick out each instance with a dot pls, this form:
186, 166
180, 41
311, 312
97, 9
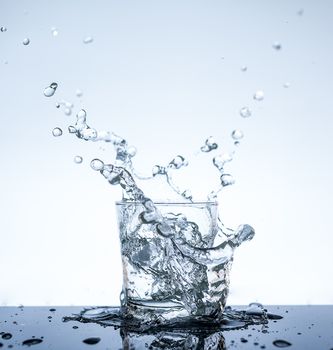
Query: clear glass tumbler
179, 272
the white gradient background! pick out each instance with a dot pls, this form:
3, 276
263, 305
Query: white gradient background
165, 75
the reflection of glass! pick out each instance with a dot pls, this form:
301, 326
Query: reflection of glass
177, 272
173, 340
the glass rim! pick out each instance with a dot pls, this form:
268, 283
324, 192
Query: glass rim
170, 203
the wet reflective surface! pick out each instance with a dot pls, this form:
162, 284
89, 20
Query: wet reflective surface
302, 327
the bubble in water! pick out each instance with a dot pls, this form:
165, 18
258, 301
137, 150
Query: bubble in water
277, 46
245, 112
26, 41
3, 29
6, 336
286, 85
54, 31
209, 145
227, 180
56, 132
50, 90
280, 343
78, 93
32, 341
92, 340
97, 164
258, 95
237, 134
88, 40
244, 68
78, 159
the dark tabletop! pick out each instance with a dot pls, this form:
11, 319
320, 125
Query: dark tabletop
302, 327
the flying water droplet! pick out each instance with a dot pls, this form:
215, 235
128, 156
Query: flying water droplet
54, 31
280, 343
6, 336
57, 105
300, 12
245, 112
88, 40
3, 29
26, 41
97, 164
286, 85
92, 340
72, 129
78, 93
237, 134
277, 46
258, 95
244, 68
56, 132
68, 111
209, 145
227, 180
32, 341
50, 90
221, 159
178, 162
78, 159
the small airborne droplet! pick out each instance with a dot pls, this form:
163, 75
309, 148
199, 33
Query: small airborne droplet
78, 159
97, 164
92, 340
277, 46
227, 180
237, 134
50, 90
6, 336
259, 95
54, 31
3, 29
68, 111
78, 93
32, 341
245, 112
88, 40
56, 132
26, 41
244, 68
279, 343
286, 85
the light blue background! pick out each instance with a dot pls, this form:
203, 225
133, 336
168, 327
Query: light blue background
165, 75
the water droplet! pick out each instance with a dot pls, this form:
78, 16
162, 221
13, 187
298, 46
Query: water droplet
259, 95
56, 132
32, 341
221, 159
3, 29
72, 129
88, 40
277, 46
57, 105
68, 111
157, 169
178, 162
243, 340
245, 112
50, 90
92, 340
210, 145
52, 310
6, 336
131, 151
300, 12
286, 85
237, 134
281, 343
54, 31
26, 41
78, 93
78, 159
75, 327
244, 68
97, 164
227, 180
